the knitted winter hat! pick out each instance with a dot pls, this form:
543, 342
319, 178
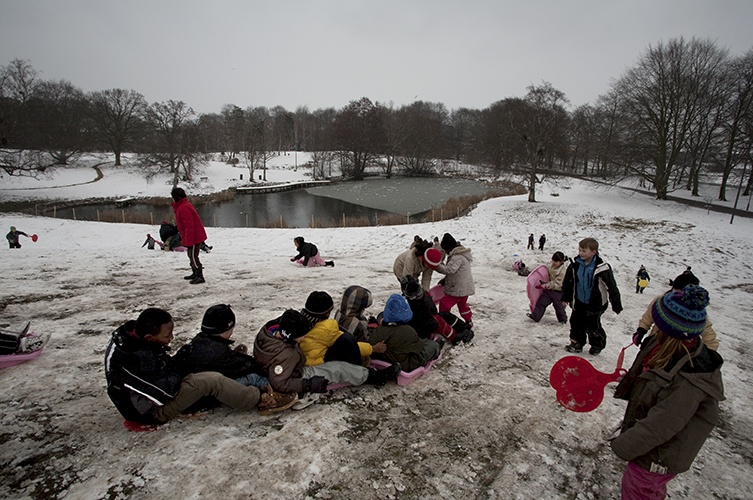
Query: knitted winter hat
13, 228
412, 289
432, 257
218, 320
683, 280
319, 304
397, 310
448, 242
682, 314
293, 325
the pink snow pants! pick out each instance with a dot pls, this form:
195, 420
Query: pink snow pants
446, 303
640, 484
314, 261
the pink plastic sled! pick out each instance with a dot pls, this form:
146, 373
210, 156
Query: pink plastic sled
580, 386
7, 360
534, 285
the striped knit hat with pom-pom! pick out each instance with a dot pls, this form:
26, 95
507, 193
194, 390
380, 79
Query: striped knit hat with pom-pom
682, 314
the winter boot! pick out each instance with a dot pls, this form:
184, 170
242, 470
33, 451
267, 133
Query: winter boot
190, 276
330, 263
378, 378
199, 278
272, 402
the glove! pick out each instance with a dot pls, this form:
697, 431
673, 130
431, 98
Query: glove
638, 336
315, 384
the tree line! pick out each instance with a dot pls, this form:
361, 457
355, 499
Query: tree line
683, 111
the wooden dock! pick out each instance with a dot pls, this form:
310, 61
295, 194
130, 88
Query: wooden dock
276, 188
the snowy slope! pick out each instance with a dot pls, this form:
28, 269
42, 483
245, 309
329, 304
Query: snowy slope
484, 423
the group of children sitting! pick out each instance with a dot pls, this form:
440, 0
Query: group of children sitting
295, 357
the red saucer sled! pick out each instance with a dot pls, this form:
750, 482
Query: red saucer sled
580, 386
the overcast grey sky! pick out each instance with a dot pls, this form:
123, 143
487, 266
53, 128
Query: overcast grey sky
325, 53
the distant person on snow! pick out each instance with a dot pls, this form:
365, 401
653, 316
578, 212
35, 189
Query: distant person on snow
641, 275
192, 233
530, 242
13, 235
308, 254
542, 240
150, 241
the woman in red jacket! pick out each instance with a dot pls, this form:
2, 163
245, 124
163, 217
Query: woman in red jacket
192, 232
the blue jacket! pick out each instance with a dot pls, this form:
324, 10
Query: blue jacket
603, 287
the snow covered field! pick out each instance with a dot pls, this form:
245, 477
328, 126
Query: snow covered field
484, 423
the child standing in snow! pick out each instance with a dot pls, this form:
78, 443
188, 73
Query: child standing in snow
589, 287
413, 262
553, 292
12, 237
458, 281
673, 391
210, 350
642, 275
150, 242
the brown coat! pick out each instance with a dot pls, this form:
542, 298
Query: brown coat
670, 413
283, 361
408, 264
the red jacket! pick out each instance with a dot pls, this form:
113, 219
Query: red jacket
189, 224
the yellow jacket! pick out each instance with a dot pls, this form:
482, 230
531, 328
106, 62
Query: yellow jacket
320, 338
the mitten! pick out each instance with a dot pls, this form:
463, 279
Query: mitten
315, 384
638, 336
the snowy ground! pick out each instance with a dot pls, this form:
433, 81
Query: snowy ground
484, 423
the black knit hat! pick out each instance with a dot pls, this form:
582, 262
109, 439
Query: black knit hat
448, 242
683, 280
218, 320
319, 304
293, 325
412, 289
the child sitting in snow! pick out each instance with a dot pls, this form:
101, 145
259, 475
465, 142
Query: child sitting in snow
404, 346
325, 342
209, 351
277, 348
308, 254
146, 387
350, 317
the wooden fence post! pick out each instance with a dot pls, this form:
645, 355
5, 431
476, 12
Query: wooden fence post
122, 212
74, 213
151, 218
54, 211
97, 215
246, 220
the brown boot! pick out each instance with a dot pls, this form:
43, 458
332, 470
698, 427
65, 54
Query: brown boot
273, 402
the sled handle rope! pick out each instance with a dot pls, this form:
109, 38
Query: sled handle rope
580, 386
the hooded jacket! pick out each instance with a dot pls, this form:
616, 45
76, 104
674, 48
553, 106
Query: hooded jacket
212, 353
408, 264
603, 291
140, 374
189, 223
283, 361
350, 316
459, 279
670, 412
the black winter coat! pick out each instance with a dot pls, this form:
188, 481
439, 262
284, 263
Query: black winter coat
604, 288
212, 353
423, 316
140, 374
306, 250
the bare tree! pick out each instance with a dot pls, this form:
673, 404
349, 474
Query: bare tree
739, 109
18, 82
172, 143
360, 136
259, 142
117, 113
423, 133
60, 113
661, 97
